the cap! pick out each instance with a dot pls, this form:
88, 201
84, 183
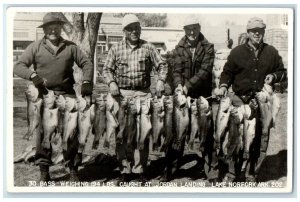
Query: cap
256, 23
191, 21
128, 19
50, 18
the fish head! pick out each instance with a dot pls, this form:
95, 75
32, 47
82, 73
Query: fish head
180, 99
70, 104
247, 111
100, 101
81, 103
193, 106
145, 106
203, 104
237, 113
61, 102
225, 103
268, 89
109, 102
158, 104
77, 89
168, 102
32, 92
262, 96
49, 99
131, 105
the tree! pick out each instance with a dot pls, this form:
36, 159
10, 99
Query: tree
149, 19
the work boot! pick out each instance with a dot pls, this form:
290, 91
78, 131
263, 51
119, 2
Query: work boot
229, 178
74, 174
142, 179
165, 178
123, 178
45, 176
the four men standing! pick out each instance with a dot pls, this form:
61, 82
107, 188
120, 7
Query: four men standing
127, 74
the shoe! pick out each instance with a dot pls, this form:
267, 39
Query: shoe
44, 176
142, 179
251, 179
165, 178
229, 178
123, 178
214, 181
74, 175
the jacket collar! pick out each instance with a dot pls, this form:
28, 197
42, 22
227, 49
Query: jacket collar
259, 48
184, 41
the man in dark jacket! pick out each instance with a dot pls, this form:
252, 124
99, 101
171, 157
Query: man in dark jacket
192, 74
53, 58
249, 66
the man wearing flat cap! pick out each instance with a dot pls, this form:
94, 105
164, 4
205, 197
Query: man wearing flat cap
249, 66
52, 58
127, 73
192, 75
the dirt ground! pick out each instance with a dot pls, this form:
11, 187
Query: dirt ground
104, 168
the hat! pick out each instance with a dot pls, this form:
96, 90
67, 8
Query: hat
129, 19
256, 23
191, 21
50, 18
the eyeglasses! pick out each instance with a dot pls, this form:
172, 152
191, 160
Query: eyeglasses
257, 30
132, 28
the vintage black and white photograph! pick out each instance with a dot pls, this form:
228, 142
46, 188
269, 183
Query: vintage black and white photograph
155, 100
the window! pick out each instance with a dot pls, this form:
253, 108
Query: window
21, 34
101, 48
114, 39
285, 20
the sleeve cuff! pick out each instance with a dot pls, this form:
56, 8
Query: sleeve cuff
108, 83
223, 85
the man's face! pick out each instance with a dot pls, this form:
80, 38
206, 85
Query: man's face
53, 31
256, 35
133, 32
192, 31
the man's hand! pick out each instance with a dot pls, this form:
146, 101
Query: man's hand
114, 89
86, 88
269, 79
221, 92
39, 84
160, 88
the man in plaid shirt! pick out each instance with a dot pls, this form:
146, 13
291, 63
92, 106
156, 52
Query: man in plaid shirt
127, 73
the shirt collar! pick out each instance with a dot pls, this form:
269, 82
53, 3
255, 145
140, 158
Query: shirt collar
139, 44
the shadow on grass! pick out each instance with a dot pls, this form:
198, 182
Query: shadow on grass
195, 171
274, 167
104, 167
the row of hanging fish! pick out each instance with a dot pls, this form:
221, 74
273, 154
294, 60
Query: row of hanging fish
168, 120
56, 120
235, 126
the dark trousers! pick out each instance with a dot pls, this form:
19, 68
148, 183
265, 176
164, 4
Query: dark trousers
211, 165
43, 156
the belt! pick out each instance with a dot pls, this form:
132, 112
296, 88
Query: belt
134, 88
